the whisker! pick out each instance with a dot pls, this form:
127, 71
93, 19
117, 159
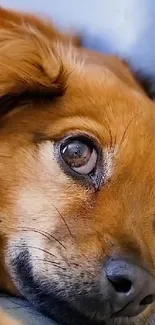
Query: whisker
50, 262
34, 247
56, 264
126, 129
44, 233
107, 126
61, 216
110, 133
42, 250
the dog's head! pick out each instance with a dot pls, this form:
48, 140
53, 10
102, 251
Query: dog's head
77, 179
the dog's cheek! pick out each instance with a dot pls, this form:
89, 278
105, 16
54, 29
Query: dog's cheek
47, 211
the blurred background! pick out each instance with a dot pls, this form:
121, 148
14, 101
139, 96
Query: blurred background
124, 27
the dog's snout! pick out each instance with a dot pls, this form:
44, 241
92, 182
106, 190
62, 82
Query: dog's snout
130, 288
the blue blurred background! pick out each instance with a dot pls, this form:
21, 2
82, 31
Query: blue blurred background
125, 27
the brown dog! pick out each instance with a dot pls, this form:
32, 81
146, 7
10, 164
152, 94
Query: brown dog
77, 175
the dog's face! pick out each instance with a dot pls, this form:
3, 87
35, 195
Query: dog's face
77, 175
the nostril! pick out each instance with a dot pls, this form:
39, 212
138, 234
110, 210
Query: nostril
130, 288
120, 284
147, 300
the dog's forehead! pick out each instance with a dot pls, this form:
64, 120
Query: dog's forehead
95, 100
101, 97
108, 68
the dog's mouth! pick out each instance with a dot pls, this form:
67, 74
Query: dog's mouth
64, 307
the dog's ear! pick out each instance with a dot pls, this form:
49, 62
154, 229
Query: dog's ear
29, 62
10, 19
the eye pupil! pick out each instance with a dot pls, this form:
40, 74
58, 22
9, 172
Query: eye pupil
76, 153
79, 154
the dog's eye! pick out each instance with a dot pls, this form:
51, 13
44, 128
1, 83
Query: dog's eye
79, 155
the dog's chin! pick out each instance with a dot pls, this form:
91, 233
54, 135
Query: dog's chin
43, 294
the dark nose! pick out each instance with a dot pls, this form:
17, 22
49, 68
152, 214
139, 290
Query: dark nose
130, 288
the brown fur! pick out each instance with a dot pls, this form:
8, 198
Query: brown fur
49, 88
